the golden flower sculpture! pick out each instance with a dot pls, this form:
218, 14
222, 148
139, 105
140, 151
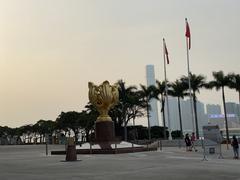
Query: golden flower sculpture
103, 97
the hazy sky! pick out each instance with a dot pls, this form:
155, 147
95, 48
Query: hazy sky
50, 49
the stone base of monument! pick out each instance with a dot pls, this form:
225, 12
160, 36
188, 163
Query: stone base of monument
105, 142
116, 148
105, 134
104, 131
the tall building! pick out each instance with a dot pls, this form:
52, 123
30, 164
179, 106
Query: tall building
219, 119
153, 113
202, 117
213, 109
187, 116
233, 108
173, 113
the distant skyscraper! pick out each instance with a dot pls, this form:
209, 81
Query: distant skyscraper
154, 110
202, 118
233, 108
213, 109
174, 114
186, 115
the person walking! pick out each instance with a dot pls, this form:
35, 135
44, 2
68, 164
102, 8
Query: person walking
193, 139
188, 142
235, 146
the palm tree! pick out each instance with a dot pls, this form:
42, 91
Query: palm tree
161, 87
177, 89
126, 102
235, 83
197, 82
147, 93
219, 82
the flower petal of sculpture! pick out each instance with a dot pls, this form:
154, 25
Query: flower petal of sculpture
103, 97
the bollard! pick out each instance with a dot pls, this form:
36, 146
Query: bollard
47, 141
46, 149
204, 151
71, 153
220, 152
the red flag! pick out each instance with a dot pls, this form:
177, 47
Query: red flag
188, 34
166, 51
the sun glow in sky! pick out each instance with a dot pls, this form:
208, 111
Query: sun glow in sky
49, 50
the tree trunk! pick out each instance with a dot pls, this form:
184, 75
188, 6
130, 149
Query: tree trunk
225, 114
180, 117
76, 136
239, 102
164, 122
125, 125
87, 135
40, 138
135, 130
239, 96
195, 112
149, 128
125, 130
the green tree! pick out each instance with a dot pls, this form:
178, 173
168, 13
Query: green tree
43, 127
220, 82
27, 131
125, 103
69, 120
161, 88
197, 82
147, 93
178, 89
235, 83
86, 122
177, 134
157, 132
129, 107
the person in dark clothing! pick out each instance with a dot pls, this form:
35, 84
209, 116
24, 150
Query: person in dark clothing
193, 139
188, 142
235, 146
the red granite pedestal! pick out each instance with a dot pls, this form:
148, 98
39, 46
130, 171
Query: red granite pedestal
105, 134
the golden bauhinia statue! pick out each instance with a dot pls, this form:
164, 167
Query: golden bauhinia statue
103, 97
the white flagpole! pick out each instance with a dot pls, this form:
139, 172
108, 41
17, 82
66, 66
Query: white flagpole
189, 84
166, 90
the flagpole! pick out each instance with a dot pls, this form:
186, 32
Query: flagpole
189, 84
166, 90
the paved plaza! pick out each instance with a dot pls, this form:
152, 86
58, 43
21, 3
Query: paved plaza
29, 162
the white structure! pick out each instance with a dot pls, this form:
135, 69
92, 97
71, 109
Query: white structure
153, 103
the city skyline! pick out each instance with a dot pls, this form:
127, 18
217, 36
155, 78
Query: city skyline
205, 112
50, 50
